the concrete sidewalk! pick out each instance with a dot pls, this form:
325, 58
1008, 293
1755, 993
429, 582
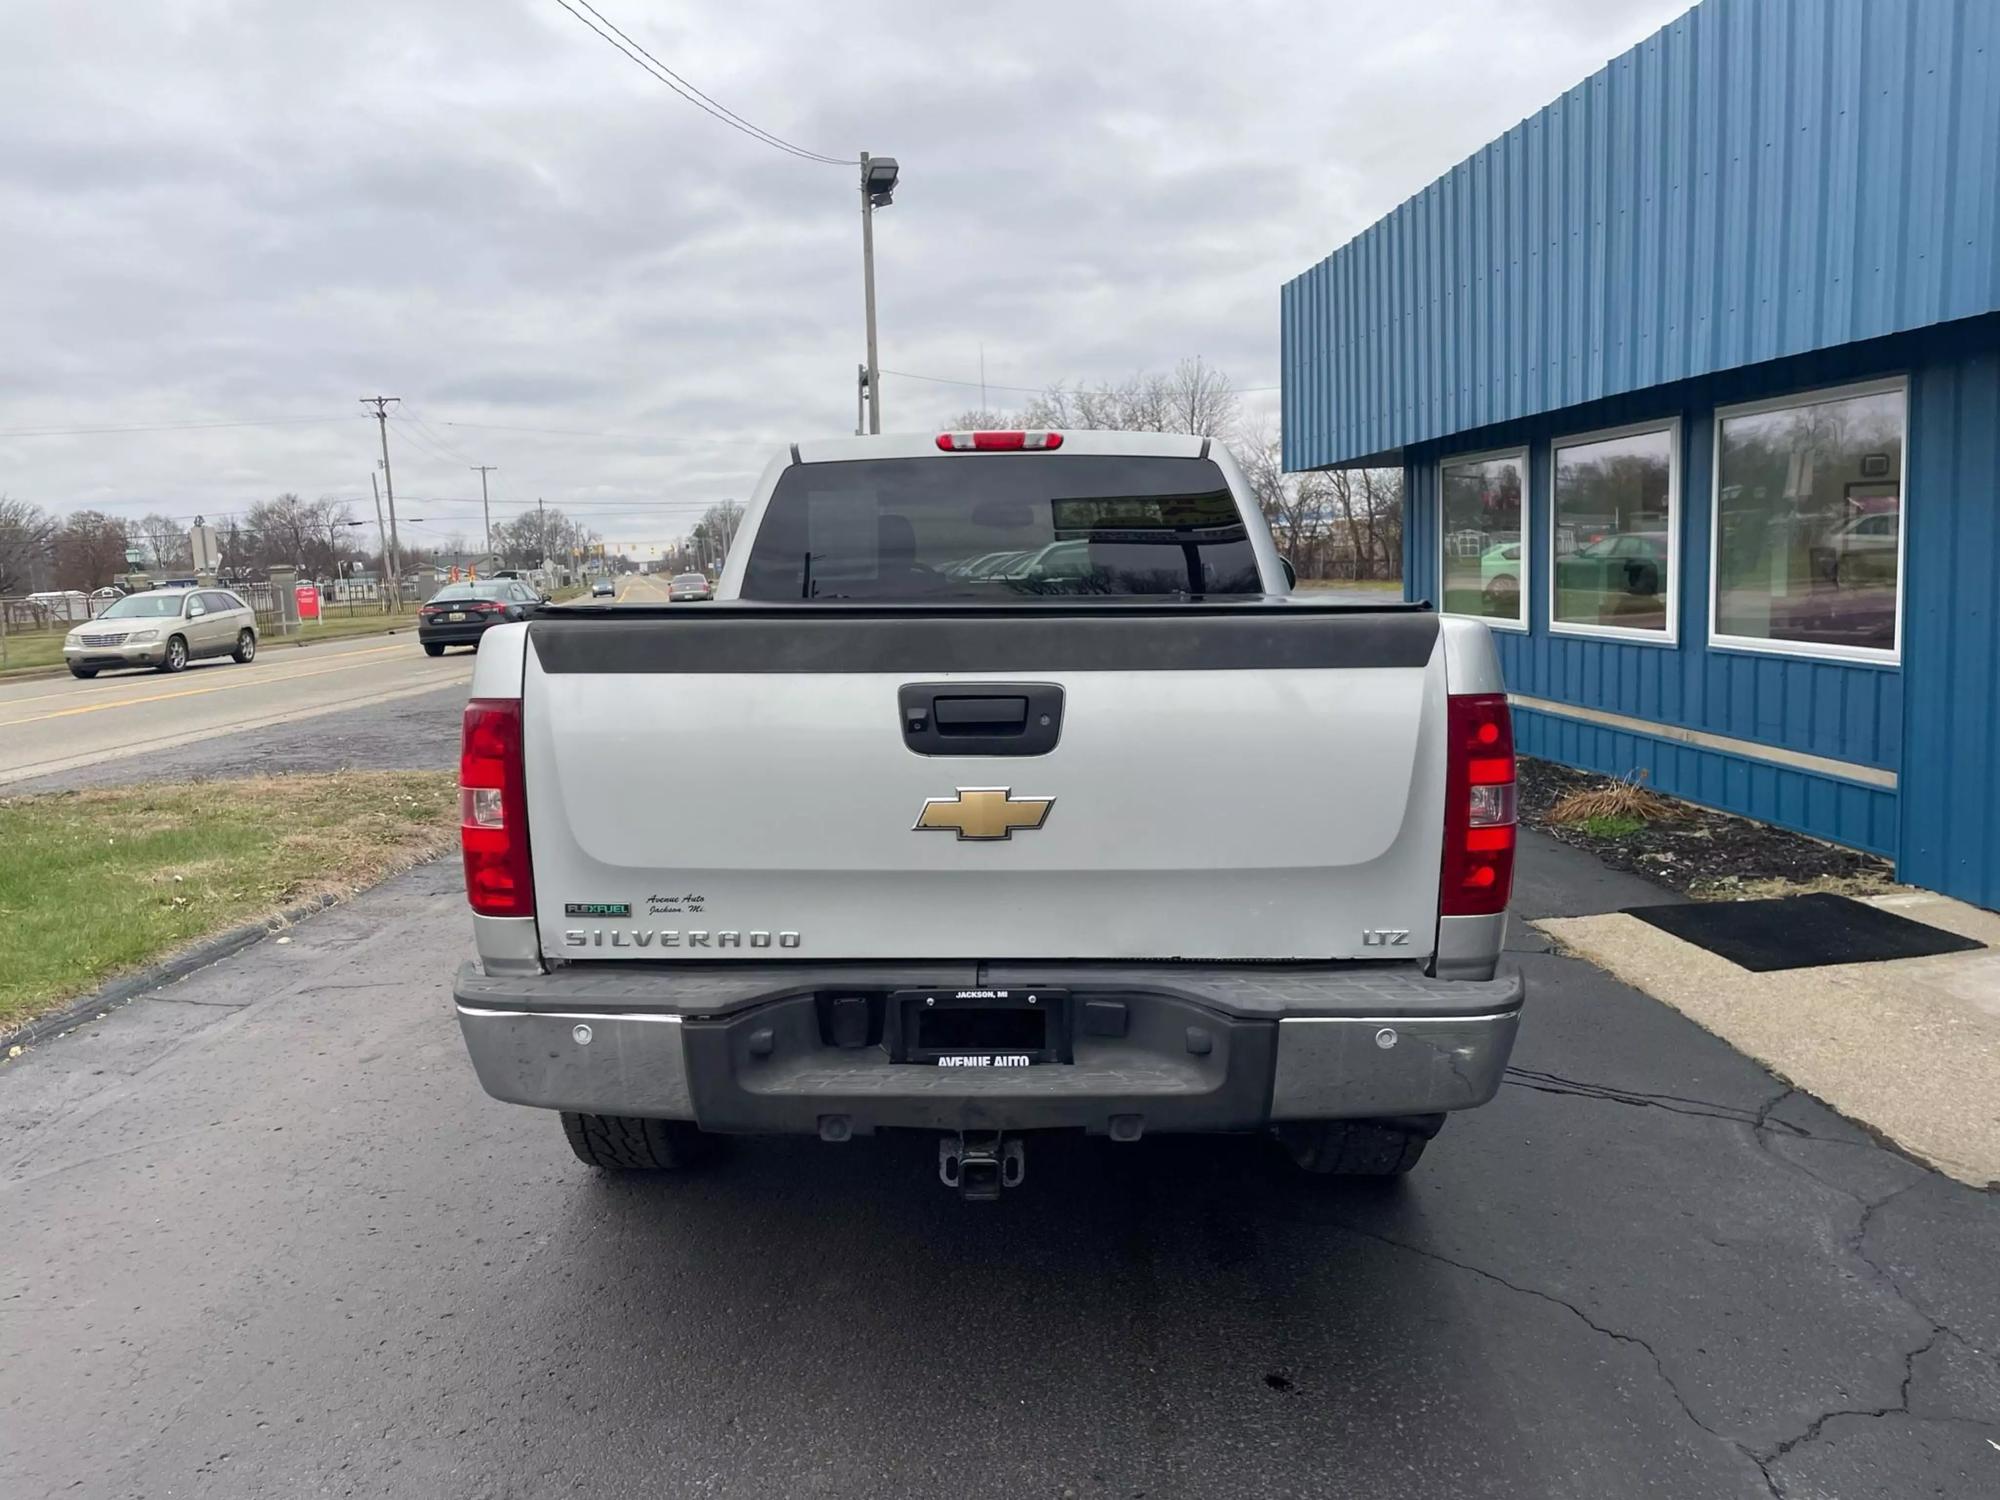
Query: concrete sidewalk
1910, 1047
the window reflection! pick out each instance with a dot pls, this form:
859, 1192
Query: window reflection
1485, 556
1613, 518
1809, 522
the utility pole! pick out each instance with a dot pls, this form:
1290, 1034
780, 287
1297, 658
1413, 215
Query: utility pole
388, 562
382, 405
484, 505
878, 183
542, 531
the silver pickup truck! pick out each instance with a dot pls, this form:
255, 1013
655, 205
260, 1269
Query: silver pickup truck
1005, 787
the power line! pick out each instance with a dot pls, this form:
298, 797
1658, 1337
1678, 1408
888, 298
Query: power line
758, 130
693, 95
165, 426
422, 435
718, 439
410, 421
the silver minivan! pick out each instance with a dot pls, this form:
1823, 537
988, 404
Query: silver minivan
165, 629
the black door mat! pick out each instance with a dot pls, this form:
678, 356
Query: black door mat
1801, 932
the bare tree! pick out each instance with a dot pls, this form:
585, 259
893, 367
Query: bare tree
1199, 400
89, 550
166, 539
1193, 398
282, 531
1279, 495
1382, 505
27, 533
985, 419
333, 527
723, 520
543, 534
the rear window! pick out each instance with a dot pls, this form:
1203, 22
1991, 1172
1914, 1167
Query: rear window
993, 526
474, 591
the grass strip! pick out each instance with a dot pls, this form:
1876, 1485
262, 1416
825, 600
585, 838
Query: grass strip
95, 883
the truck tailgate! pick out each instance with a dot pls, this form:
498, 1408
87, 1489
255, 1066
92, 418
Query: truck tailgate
1248, 781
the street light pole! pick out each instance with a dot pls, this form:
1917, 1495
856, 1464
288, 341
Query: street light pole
868, 292
878, 185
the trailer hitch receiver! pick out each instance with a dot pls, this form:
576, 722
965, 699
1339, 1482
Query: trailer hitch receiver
980, 1163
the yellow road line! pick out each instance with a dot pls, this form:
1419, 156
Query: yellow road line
195, 692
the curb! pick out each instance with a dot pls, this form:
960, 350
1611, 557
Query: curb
129, 987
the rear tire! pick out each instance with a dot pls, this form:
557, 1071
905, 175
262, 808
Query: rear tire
246, 646
1352, 1148
433, 649
84, 672
627, 1143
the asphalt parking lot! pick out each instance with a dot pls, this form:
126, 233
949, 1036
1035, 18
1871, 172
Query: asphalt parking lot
266, 1236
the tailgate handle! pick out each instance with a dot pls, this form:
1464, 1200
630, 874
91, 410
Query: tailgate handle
997, 718
980, 715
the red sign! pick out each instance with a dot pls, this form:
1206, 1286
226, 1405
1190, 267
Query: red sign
308, 597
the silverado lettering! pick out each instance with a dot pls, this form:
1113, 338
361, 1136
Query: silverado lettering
641, 937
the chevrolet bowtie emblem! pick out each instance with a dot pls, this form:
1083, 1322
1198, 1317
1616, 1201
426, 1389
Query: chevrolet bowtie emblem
984, 812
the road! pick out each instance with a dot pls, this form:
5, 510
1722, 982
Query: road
54, 727
264, 1236
376, 702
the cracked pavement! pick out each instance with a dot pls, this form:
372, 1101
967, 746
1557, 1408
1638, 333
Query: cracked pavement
277, 1242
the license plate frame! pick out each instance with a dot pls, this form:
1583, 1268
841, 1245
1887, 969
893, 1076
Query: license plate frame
986, 1028
456, 617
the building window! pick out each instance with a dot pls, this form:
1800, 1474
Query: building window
1484, 568
1613, 547
1809, 523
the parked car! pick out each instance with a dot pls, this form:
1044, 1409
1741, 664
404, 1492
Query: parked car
164, 628
688, 586
460, 613
1625, 562
1500, 578
603, 588
974, 861
1861, 551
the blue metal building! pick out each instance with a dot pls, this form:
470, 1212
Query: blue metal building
1694, 378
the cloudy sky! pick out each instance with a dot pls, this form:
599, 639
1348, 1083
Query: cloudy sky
258, 212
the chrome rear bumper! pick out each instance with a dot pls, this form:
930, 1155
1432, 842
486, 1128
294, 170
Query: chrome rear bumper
763, 1069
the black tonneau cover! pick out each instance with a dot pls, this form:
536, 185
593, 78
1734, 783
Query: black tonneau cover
1066, 635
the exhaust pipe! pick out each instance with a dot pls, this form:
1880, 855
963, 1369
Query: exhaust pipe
981, 1164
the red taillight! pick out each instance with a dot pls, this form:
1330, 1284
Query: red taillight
996, 442
1479, 828
488, 608
493, 810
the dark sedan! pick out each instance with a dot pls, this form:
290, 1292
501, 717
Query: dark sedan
460, 613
